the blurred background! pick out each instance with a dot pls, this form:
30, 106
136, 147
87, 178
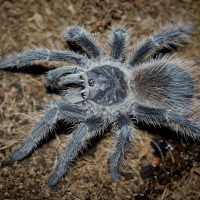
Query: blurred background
172, 172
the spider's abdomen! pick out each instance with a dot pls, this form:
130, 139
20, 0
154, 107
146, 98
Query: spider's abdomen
166, 86
107, 85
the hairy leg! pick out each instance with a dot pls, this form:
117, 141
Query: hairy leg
168, 36
117, 41
124, 134
61, 76
76, 145
80, 37
25, 59
158, 117
54, 111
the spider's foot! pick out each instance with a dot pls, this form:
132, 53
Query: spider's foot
6, 163
15, 156
18, 155
115, 173
54, 179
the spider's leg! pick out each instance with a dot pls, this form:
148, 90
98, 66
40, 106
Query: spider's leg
67, 74
117, 41
55, 110
168, 36
77, 144
158, 117
76, 35
124, 135
25, 59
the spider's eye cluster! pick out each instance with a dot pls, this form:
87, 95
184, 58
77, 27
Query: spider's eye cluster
91, 82
81, 77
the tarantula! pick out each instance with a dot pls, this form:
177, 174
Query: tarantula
106, 90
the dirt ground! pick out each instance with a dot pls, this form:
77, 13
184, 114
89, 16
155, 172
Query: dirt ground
29, 23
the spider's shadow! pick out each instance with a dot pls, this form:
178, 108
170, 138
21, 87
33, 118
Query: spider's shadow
34, 69
163, 51
165, 133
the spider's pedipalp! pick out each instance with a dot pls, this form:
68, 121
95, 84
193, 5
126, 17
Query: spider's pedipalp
78, 36
55, 111
53, 77
157, 117
71, 79
73, 96
77, 144
27, 58
117, 41
124, 135
168, 36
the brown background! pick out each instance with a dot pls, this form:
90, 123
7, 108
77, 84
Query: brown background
32, 23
